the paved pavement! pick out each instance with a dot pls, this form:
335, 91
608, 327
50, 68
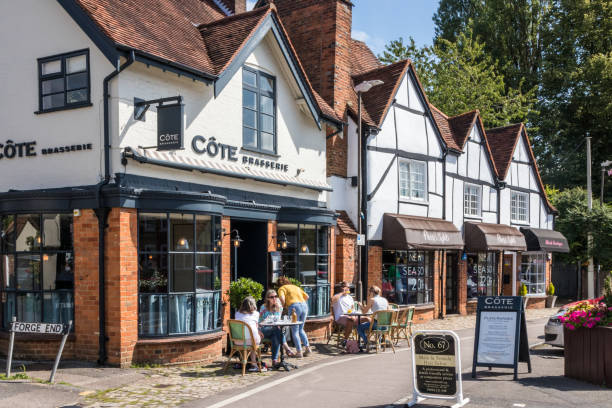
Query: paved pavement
328, 375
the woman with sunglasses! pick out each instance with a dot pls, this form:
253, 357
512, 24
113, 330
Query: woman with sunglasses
272, 308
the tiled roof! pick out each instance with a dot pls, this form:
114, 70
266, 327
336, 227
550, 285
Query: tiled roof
444, 126
461, 126
362, 58
503, 141
193, 33
377, 100
345, 224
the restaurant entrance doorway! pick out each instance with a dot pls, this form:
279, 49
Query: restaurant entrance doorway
452, 305
250, 258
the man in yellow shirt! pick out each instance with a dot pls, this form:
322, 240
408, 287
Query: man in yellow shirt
293, 299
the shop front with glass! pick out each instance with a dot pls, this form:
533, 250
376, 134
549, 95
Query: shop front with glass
408, 276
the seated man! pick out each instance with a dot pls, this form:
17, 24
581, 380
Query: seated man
341, 303
375, 303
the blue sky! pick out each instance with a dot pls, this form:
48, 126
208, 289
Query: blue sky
379, 21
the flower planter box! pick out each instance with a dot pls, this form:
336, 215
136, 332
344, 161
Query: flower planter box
588, 355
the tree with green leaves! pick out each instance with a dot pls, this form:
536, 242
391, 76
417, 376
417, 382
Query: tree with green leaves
575, 99
459, 77
575, 220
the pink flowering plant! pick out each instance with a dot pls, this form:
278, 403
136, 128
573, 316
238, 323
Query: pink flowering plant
586, 314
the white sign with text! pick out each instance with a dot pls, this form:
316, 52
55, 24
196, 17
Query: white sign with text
496, 342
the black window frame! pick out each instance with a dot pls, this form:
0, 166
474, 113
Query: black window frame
291, 259
63, 74
491, 259
40, 251
258, 112
216, 255
413, 261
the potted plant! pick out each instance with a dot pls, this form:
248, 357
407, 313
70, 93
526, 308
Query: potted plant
523, 293
241, 288
550, 295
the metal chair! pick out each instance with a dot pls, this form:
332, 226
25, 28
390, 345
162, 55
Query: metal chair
237, 333
383, 319
403, 326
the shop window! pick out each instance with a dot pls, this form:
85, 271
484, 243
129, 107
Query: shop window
471, 199
36, 268
258, 111
306, 258
519, 207
482, 274
179, 274
64, 81
408, 277
413, 180
533, 272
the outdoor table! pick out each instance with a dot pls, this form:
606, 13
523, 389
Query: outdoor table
280, 324
358, 314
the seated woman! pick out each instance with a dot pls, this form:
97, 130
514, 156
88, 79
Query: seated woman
248, 314
375, 303
272, 308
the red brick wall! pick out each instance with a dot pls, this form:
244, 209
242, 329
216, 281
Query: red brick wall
272, 238
374, 267
179, 351
320, 31
121, 285
423, 315
86, 288
536, 302
346, 258
225, 271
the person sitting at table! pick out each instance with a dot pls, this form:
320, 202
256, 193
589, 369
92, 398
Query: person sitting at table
248, 314
375, 303
272, 309
294, 299
342, 302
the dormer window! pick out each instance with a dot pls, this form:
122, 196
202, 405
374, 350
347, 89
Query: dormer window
63, 81
258, 111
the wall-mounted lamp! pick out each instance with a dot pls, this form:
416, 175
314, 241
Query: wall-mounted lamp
305, 249
283, 243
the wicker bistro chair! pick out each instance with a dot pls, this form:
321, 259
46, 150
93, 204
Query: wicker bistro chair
237, 333
382, 332
403, 325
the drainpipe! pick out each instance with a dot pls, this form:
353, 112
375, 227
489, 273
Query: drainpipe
102, 211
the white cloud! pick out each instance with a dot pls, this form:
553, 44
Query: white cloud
251, 4
360, 35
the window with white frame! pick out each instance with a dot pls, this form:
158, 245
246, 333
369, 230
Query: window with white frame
519, 206
533, 272
471, 199
413, 180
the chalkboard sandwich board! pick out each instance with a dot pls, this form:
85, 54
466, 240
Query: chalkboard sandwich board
501, 334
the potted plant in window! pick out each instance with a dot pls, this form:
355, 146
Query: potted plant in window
550, 295
241, 288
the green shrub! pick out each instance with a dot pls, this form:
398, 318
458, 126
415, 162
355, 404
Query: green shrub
242, 288
523, 291
551, 289
608, 289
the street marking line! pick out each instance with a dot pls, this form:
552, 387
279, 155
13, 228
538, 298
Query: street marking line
518, 405
291, 377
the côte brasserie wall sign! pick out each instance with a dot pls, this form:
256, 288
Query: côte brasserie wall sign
13, 150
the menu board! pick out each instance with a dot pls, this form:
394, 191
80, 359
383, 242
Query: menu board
435, 364
501, 333
496, 342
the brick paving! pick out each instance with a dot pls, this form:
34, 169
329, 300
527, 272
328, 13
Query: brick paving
171, 386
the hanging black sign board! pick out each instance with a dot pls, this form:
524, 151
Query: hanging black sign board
170, 127
501, 334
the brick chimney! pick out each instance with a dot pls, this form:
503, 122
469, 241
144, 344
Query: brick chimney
320, 31
235, 6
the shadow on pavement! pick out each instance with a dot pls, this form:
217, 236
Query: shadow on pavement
559, 382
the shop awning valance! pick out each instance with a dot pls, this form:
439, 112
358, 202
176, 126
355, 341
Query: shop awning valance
411, 232
545, 240
492, 237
